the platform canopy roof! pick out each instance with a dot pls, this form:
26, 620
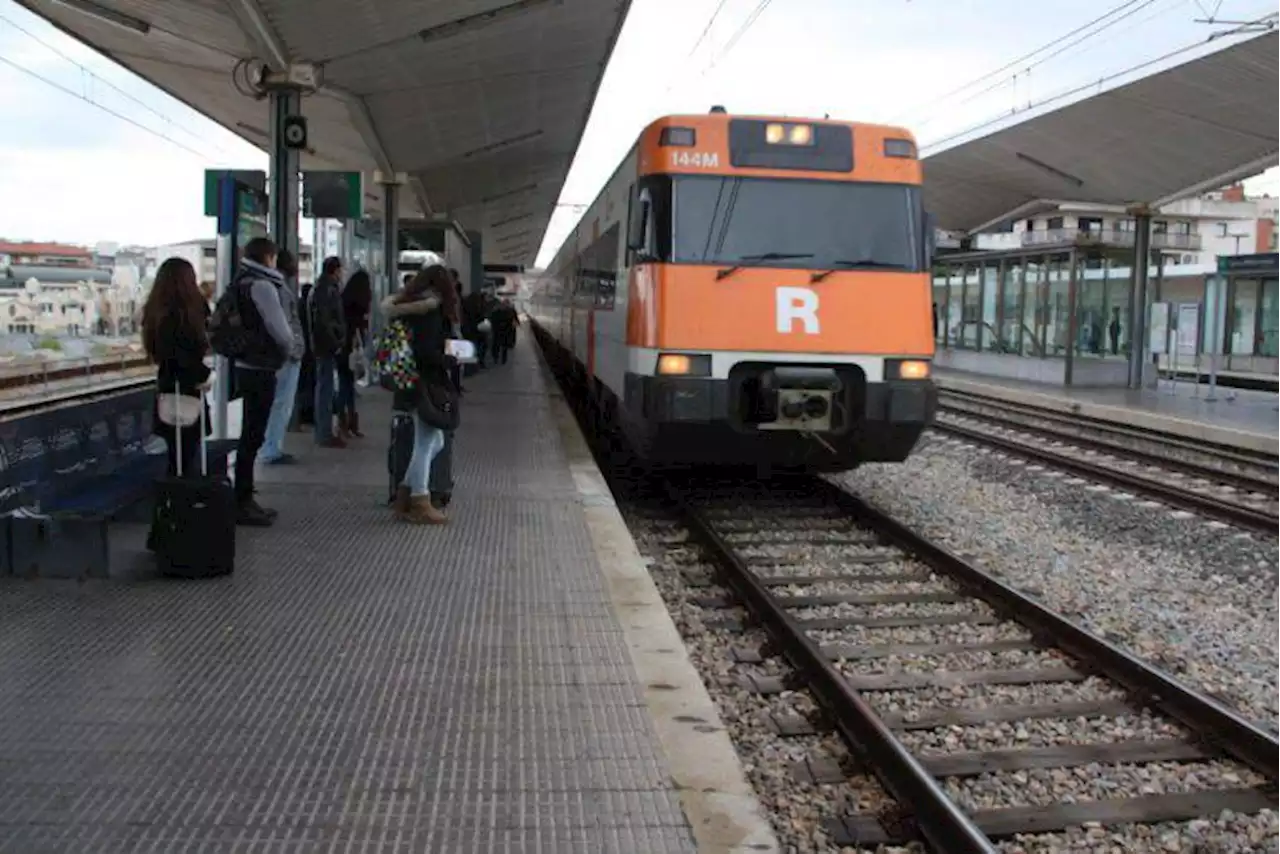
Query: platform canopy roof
481, 102
1190, 128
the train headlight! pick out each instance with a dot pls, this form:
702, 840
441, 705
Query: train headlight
907, 369
684, 365
778, 133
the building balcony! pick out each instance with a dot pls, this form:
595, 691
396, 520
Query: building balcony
1112, 237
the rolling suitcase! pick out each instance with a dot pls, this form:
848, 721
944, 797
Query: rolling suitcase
194, 527
400, 450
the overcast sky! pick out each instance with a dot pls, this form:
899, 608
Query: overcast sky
70, 171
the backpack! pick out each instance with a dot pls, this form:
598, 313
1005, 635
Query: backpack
227, 333
393, 358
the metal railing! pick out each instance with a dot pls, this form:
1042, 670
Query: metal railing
1109, 237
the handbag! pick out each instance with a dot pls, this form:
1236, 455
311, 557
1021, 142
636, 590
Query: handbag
357, 361
437, 405
178, 410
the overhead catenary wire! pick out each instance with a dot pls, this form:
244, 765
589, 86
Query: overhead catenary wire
707, 29
1096, 84
1061, 50
99, 78
105, 109
747, 23
1015, 63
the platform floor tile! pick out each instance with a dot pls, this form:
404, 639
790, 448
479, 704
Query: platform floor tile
358, 685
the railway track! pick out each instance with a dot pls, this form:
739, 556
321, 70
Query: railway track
1109, 433
66, 370
904, 644
1237, 487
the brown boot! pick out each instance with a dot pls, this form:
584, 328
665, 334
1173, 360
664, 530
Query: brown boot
400, 504
422, 512
354, 425
344, 426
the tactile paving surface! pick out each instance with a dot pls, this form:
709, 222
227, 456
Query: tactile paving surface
357, 686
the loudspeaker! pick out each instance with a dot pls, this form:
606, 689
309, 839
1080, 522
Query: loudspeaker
294, 132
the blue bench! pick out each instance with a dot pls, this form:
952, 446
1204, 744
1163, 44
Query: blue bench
68, 472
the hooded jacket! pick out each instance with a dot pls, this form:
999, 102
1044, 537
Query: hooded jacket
289, 302
268, 327
426, 325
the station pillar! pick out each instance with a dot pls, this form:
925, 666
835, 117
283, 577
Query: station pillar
1138, 302
283, 220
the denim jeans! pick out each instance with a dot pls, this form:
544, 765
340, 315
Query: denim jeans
427, 442
324, 398
281, 411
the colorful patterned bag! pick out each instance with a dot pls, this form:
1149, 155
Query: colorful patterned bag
393, 360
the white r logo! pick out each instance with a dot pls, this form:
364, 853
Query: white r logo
797, 304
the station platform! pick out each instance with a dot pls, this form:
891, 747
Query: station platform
1238, 417
508, 682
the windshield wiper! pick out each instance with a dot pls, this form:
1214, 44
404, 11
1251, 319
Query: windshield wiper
767, 256
861, 262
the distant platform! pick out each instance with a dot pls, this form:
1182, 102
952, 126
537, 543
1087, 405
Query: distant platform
1238, 418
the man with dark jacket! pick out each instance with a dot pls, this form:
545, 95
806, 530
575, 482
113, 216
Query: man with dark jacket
328, 331
269, 340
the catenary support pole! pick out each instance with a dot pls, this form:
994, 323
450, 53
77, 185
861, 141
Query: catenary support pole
282, 223
1138, 300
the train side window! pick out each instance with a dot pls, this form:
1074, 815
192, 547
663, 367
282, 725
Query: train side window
639, 230
604, 262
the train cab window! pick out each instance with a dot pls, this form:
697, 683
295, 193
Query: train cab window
797, 223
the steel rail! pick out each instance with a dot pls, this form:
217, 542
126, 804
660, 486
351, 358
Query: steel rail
942, 823
1220, 450
1225, 511
1212, 473
1205, 716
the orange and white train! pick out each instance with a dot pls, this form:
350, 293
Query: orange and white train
750, 290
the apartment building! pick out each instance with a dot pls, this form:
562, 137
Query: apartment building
32, 254
202, 254
1194, 231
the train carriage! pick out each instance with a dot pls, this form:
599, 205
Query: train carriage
753, 290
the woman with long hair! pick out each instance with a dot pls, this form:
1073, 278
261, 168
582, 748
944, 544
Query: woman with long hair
422, 308
357, 300
174, 320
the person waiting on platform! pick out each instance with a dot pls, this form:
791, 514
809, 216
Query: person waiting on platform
272, 452
504, 322
357, 299
424, 307
328, 331
475, 322
258, 283
305, 403
174, 338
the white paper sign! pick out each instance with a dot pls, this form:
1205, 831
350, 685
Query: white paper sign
1188, 329
1158, 329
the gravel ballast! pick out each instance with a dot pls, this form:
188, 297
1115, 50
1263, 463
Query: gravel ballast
1195, 597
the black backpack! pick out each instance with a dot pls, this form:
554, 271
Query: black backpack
227, 333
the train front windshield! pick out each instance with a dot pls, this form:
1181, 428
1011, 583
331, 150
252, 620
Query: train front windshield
766, 222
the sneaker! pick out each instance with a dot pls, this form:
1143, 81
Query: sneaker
282, 460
